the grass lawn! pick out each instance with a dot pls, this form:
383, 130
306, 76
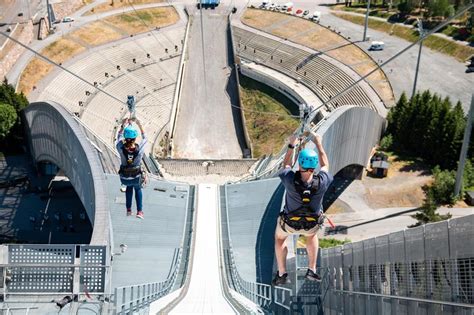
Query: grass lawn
96, 33
146, 20
104, 7
445, 46
267, 132
59, 51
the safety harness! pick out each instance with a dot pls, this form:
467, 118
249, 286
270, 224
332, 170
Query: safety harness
129, 170
303, 218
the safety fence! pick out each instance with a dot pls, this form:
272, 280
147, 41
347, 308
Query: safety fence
54, 270
427, 265
132, 298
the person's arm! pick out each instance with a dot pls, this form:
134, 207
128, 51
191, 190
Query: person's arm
120, 134
142, 131
323, 158
288, 161
139, 124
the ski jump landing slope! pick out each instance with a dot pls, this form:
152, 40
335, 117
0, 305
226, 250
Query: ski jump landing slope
206, 127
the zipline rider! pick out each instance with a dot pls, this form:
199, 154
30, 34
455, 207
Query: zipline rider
302, 212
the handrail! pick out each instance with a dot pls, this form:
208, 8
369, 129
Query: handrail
128, 299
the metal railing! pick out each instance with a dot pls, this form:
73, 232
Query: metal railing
431, 264
259, 293
132, 298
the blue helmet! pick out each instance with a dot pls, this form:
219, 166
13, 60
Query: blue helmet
308, 158
130, 132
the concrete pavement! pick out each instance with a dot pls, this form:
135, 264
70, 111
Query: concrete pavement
207, 125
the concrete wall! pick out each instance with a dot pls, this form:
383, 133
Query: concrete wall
349, 134
272, 82
248, 151
54, 136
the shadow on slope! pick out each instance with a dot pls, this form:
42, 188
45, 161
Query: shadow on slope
264, 249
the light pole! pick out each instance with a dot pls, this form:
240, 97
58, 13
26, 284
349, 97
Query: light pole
366, 21
465, 146
420, 31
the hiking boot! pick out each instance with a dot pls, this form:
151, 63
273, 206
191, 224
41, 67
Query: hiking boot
312, 276
140, 215
281, 280
129, 212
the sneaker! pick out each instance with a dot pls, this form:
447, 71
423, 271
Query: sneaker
140, 215
129, 212
280, 280
312, 276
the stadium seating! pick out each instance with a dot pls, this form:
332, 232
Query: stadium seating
146, 67
319, 73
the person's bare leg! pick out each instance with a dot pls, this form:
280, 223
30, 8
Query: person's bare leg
312, 244
280, 252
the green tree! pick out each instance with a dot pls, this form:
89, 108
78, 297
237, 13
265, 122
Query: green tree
9, 96
442, 189
441, 192
405, 7
468, 176
8, 119
441, 8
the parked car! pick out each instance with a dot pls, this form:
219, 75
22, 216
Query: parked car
286, 6
271, 6
277, 7
68, 19
316, 16
305, 12
377, 45
20, 14
299, 11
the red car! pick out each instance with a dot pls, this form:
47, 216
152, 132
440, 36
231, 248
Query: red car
289, 9
299, 11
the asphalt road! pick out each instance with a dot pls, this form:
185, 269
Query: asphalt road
206, 127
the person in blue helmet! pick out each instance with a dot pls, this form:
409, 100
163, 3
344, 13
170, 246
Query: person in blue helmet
302, 213
131, 154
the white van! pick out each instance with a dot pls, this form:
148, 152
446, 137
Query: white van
68, 19
316, 16
377, 45
286, 6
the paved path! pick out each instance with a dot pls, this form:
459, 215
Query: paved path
207, 126
371, 223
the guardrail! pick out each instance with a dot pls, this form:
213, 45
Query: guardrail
132, 298
259, 293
